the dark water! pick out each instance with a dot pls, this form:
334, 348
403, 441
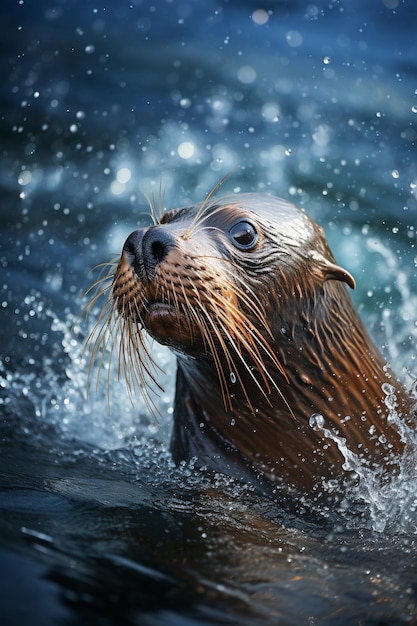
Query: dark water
313, 101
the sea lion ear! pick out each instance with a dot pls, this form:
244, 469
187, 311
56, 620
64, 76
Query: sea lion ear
335, 272
331, 271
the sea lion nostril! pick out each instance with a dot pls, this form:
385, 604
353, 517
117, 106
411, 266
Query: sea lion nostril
158, 250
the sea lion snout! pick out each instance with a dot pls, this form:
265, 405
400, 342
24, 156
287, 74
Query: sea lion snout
147, 248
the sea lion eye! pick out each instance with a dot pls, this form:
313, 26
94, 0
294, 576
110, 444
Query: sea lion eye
244, 235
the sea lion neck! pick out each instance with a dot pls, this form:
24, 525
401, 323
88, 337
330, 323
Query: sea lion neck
313, 343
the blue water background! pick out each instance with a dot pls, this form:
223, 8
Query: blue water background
100, 104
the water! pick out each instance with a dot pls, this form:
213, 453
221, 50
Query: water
315, 102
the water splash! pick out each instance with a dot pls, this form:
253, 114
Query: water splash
53, 389
389, 500
399, 321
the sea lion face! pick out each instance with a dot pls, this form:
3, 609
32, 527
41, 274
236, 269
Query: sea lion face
204, 275
166, 277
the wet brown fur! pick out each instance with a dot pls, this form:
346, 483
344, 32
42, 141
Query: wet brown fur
264, 339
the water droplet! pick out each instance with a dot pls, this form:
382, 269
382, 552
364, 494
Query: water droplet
233, 377
123, 175
395, 174
24, 177
387, 389
246, 74
260, 16
316, 421
294, 38
186, 150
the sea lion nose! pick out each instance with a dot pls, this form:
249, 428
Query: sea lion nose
157, 242
147, 248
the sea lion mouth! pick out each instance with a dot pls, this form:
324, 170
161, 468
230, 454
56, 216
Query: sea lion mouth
160, 313
162, 310
166, 323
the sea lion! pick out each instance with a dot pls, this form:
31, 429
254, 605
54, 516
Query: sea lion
246, 292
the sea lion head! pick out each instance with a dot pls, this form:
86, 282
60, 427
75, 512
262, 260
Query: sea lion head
206, 275
210, 280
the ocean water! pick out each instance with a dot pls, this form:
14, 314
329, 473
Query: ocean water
101, 104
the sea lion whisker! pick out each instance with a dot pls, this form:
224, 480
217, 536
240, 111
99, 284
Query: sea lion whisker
259, 362
210, 347
219, 311
102, 324
129, 366
236, 373
99, 346
103, 279
245, 335
156, 216
225, 309
203, 205
105, 314
189, 308
261, 340
111, 263
87, 310
253, 305
99, 290
138, 309
200, 227
213, 351
221, 374
245, 294
241, 321
134, 367
207, 338
233, 369
147, 364
134, 359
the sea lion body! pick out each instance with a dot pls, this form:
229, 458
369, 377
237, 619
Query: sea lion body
246, 292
